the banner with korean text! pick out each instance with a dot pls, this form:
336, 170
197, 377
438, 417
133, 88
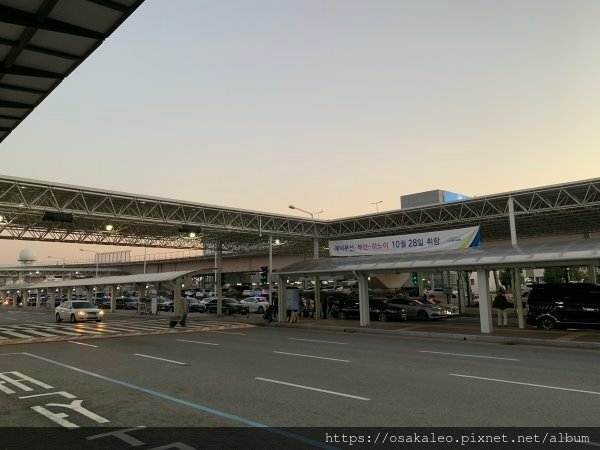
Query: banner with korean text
408, 243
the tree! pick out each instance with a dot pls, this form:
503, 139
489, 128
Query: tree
555, 275
506, 277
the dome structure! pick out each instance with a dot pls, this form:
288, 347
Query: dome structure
27, 256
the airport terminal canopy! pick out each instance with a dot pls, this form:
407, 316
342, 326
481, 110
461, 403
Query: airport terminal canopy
576, 253
42, 42
153, 278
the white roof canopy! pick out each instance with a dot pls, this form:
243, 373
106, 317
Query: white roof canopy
580, 253
106, 281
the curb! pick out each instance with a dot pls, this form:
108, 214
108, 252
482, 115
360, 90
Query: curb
506, 340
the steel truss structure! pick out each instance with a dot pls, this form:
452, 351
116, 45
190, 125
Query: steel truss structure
570, 208
44, 41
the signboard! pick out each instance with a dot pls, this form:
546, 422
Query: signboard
408, 243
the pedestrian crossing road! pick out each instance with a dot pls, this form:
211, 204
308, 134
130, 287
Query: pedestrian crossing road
32, 332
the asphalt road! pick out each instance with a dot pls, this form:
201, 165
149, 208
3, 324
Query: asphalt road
282, 377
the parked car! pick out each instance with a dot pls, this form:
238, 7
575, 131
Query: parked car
77, 310
164, 304
378, 310
102, 302
127, 302
194, 305
230, 306
556, 305
256, 304
439, 294
451, 310
417, 310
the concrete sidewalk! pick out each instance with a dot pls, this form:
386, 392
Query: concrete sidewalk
443, 329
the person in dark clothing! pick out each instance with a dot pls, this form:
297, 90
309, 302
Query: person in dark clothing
324, 308
502, 305
185, 309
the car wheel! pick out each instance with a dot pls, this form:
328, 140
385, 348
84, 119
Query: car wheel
382, 317
260, 310
341, 315
546, 323
422, 315
227, 311
58, 319
99, 320
73, 319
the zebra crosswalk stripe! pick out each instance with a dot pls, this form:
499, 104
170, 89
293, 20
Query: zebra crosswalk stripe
49, 332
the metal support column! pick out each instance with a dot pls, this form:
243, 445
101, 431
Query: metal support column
281, 296
516, 279
511, 218
592, 273
38, 299
485, 307
113, 298
270, 273
218, 283
317, 281
363, 298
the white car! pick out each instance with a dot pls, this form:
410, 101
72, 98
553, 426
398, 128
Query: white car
256, 304
439, 294
76, 310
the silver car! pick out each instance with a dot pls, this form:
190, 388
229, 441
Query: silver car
451, 310
76, 310
417, 310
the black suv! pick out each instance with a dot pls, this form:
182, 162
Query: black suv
564, 304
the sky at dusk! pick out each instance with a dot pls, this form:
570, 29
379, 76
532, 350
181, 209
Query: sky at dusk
329, 105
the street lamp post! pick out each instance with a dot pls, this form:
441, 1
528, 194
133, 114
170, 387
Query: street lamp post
312, 215
303, 210
377, 205
96, 257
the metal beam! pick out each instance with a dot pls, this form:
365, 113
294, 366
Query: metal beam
18, 17
30, 72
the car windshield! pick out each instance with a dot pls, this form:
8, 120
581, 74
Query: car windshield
81, 305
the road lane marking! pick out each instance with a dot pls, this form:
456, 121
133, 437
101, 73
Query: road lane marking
197, 342
15, 334
196, 406
227, 332
81, 343
312, 340
161, 359
525, 384
312, 388
470, 356
311, 356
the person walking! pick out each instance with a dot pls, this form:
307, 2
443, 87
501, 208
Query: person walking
184, 310
501, 304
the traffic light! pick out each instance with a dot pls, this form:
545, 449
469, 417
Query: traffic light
264, 274
415, 278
